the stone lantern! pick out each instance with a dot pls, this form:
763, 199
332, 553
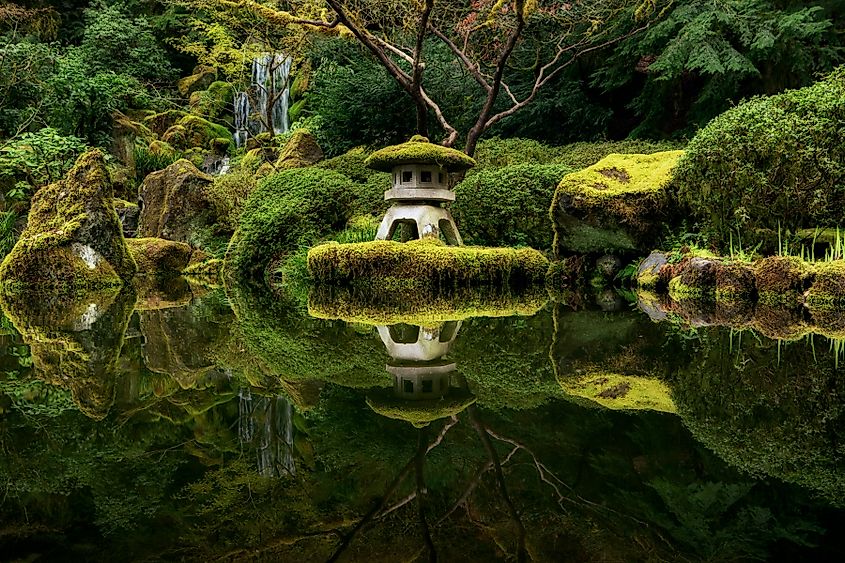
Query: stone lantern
420, 186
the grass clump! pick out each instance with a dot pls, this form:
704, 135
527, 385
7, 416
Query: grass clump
426, 263
508, 206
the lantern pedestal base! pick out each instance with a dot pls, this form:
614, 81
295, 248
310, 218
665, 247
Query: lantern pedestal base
419, 221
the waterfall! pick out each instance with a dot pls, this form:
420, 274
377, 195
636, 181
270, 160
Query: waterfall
266, 423
264, 105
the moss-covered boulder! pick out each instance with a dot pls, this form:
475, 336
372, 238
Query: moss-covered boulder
419, 150
782, 279
73, 238
694, 278
828, 289
202, 78
618, 204
213, 102
162, 121
654, 272
176, 202
425, 263
193, 131
300, 151
158, 257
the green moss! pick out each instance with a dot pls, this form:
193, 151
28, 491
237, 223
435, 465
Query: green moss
158, 257
508, 206
352, 165
584, 154
622, 392
828, 287
200, 80
782, 279
200, 132
418, 413
213, 101
619, 203
418, 149
300, 150
73, 238
161, 122
425, 263
288, 209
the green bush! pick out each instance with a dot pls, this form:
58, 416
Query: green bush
508, 206
351, 164
229, 193
287, 209
770, 163
496, 153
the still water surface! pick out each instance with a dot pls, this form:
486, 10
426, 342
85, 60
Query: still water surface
240, 427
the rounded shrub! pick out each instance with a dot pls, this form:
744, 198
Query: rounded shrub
287, 209
771, 163
508, 206
496, 153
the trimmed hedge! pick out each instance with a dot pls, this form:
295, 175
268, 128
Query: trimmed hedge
508, 206
770, 163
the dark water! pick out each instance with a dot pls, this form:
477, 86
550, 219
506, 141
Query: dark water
238, 427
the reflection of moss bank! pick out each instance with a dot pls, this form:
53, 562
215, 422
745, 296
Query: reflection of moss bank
420, 308
768, 409
419, 413
280, 342
424, 263
616, 204
622, 392
75, 343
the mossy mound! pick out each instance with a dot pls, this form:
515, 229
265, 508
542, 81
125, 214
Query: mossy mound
176, 203
617, 204
782, 279
421, 308
352, 165
419, 150
735, 281
300, 151
426, 263
193, 131
508, 206
654, 272
828, 289
162, 121
158, 257
622, 392
289, 209
419, 413
214, 101
73, 238
695, 278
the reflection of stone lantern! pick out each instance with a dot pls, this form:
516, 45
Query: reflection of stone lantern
425, 385
420, 185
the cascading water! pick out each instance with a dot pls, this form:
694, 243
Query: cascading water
267, 424
264, 105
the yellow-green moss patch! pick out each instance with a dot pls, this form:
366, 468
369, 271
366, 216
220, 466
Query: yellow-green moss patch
159, 257
419, 150
424, 263
418, 413
622, 392
828, 289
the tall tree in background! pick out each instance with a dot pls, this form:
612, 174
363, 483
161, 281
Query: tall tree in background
490, 40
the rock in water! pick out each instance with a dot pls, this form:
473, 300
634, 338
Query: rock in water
73, 238
175, 202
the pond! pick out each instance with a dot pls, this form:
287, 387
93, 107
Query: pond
239, 425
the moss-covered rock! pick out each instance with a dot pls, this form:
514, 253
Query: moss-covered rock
126, 133
73, 238
418, 149
782, 279
735, 281
508, 206
158, 257
202, 78
214, 101
425, 263
654, 272
176, 202
193, 131
694, 278
828, 288
162, 121
618, 204
622, 392
300, 151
